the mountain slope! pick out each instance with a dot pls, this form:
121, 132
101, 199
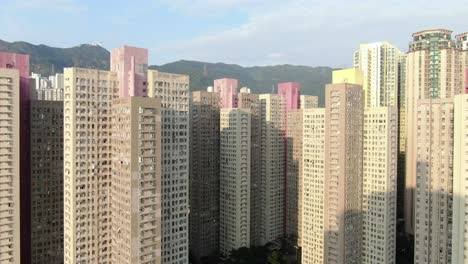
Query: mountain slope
259, 79
47, 60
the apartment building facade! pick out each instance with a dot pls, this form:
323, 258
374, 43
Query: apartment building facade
293, 211
10, 165
434, 68
313, 184
131, 66
378, 62
204, 174
234, 177
46, 182
379, 184
308, 101
250, 101
20, 62
88, 95
227, 89
136, 180
343, 173
173, 90
272, 167
434, 181
459, 244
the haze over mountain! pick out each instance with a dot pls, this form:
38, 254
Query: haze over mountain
47, 60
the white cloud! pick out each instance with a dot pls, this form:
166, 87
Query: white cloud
312, 32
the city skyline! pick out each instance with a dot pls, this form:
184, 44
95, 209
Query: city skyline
128, 165
216, 31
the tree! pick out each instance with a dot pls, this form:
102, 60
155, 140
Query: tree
276, 258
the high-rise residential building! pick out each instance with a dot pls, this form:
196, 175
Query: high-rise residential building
434, 181
58, 81
433, 70
227, 89
131, 65
313, 184
382, 64
308, 101
379, 193
88, 95
293, 210
291, 92
462, 44
352, 75
49, 89
136, 180
462, 41
234, 201
50, 94
173, 90
401, 136
250, 101
272, 167
379, 64
343, 173
204, 174
46, 182
460, 182
10, 165
21, 64
36, 78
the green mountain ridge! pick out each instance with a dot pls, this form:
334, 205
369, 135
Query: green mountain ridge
47, 60
260, 79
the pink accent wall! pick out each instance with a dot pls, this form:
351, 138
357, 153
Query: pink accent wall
21, 63
291, 91
227, 89
131, 65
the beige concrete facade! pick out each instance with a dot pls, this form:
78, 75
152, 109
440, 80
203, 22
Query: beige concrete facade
234, 177
401, 137
343, 173
272, 188
433, 70
308, 101
460, 182
251, 102
379, 204
294, 175
313, 235
88, 96
136, 180
9, 166
204, 174
46, 181
379, 64
434, 161
173, 90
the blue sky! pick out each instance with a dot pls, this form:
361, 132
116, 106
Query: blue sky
245, 32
